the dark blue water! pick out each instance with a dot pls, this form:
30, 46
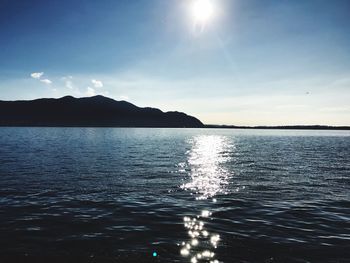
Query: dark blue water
190, 195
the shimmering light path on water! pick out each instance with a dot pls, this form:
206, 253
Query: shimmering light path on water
189, 195
208, 178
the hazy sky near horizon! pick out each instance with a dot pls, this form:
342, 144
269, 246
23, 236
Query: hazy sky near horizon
271, 62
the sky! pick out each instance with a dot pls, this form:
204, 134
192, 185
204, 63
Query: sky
252, 62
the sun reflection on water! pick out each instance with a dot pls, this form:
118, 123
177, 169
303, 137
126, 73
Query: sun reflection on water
208, 177
205, 160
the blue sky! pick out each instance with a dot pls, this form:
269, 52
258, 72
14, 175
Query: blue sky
254, 63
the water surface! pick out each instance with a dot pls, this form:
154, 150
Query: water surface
190, 195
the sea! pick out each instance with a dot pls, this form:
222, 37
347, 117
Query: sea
174, 195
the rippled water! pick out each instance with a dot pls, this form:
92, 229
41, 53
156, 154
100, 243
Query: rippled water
189, 195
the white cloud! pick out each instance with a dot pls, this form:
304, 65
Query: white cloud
68, 83
90, 91
37, 75
46, 81
97, 83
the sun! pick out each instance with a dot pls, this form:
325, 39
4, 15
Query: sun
203, 11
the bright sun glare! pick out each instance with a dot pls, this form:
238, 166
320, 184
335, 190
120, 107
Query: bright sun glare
203, 11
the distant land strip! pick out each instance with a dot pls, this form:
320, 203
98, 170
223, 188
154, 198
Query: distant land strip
286, 127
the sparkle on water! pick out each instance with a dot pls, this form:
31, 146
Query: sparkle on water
208, 177
205, 213
205, 161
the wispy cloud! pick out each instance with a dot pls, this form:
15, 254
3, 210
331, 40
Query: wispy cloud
97, 83
336, 109
75, 86
90, 91
37, 75
68, 82
46, 81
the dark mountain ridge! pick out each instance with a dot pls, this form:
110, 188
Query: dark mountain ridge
96, 111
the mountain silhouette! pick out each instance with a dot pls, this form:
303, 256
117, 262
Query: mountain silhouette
96, 111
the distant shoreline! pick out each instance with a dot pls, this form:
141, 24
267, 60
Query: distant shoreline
293, 127
287, 127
